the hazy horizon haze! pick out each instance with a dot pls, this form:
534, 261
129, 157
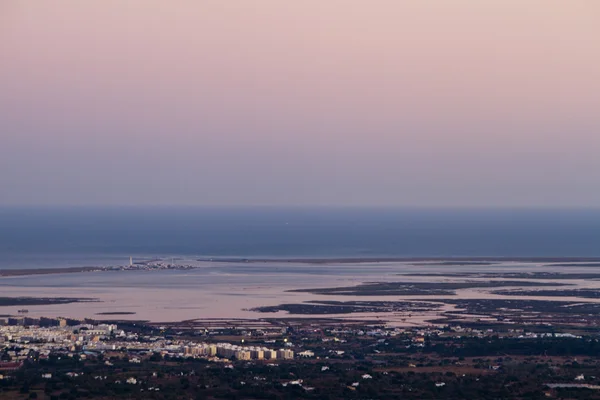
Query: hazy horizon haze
428, 103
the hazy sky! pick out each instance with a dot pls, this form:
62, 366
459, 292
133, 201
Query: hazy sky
324, 102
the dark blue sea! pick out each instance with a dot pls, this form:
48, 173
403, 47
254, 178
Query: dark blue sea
82, 236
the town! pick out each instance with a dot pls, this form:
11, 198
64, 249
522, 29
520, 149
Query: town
58, 358
46, 336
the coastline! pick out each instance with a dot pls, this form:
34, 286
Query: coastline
47, 271
416, 261
362, 260
357, 290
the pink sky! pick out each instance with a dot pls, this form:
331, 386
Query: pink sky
456, 103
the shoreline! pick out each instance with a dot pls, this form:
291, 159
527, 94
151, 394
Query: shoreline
361, 260
417, 261
47, 271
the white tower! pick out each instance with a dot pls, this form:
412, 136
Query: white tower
131, 261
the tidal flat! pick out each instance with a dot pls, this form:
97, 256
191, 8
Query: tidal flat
419, 288
37, 301
409, 292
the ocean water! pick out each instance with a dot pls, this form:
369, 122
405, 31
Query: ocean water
69, 237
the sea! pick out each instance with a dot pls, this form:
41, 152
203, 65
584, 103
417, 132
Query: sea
221, 240
99, 236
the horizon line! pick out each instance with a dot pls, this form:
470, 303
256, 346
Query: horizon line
311, 206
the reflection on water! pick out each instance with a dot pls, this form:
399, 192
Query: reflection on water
229, 290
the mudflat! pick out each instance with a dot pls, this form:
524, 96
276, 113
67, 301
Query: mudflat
47, 271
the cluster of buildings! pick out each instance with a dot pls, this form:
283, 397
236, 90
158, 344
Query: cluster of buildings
76, 335
89, 338
41, 322
152, 265
47, 340
227, 350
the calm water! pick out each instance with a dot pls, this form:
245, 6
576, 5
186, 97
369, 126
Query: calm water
53, 237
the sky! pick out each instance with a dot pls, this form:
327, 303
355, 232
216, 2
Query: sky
461, 103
